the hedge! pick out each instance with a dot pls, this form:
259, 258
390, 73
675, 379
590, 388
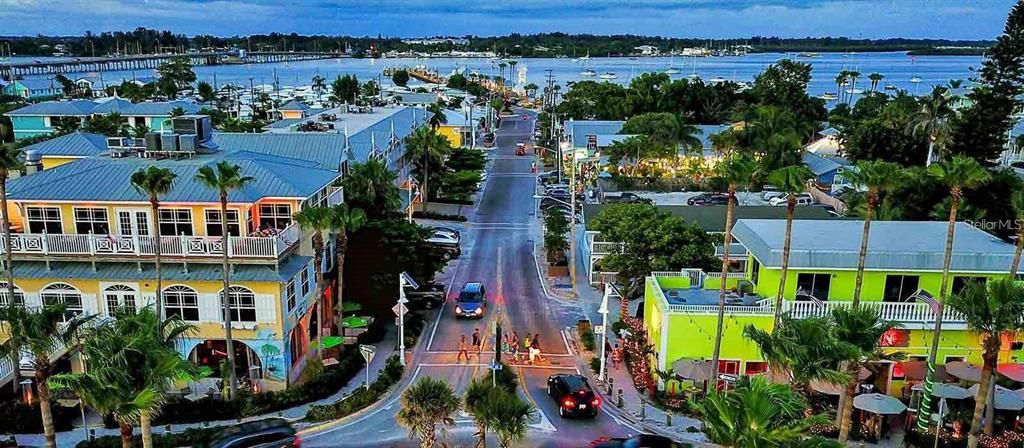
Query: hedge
361, 398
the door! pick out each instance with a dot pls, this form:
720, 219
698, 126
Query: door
133, 222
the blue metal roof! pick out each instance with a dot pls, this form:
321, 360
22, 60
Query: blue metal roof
130, 272
105, 179
820, 165
77, 108
75, 144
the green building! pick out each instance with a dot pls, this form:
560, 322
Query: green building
680, 309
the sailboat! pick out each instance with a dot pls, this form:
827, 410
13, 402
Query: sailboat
671, 70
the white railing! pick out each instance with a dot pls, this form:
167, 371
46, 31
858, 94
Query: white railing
172, 246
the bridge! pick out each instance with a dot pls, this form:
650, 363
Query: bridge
152, 61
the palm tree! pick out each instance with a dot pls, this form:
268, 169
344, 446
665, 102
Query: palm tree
40, 332
791, 180
225, 177
511, 416
426, 146
862, 329
133, 362
875, 78
155, 182
854, 75
1016, 203
344, 220
318, 220
736, 171
425, 405
371, 187
878, 177
933, 119
807, 349
477, 395
437, 115
991, 310
10, 161
758, 413
956, 174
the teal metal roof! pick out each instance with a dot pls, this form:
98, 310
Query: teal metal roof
77, 108
105, 179
172, 272
75, 144
893, 245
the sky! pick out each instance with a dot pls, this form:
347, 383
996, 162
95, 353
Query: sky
949, 19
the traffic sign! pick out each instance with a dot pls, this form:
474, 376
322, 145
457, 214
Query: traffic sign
368, 351
400, 309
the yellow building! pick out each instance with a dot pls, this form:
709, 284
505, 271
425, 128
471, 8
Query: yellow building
85, 237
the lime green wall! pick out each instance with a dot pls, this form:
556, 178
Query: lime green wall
843, 282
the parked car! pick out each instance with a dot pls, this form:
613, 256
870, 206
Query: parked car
709, 199
627, 197
639, 441
573, 394
446, 242
267, 433
472, 301
801, 199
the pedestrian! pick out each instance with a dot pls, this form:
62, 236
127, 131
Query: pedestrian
462, 349
477, 341
616, 357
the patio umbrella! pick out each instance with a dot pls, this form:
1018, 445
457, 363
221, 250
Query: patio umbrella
693, 369
964, 371
1005, 399
355, 322
946, 390
350, 307
878, 404
1012, 371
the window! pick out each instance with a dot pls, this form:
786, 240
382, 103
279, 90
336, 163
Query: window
959, 283
899, 288
120, 299
755, 270
92, 220
289, 293
181, 301
305, 281
814, 285
65, 294
5, 294
175, 221
242, 303
44, 219
275, 216
755, 368
213, 223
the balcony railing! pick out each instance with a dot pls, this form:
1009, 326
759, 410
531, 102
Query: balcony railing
182, 246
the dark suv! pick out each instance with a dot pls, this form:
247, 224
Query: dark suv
267, 433
574, 396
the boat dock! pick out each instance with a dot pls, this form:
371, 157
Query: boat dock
151, 61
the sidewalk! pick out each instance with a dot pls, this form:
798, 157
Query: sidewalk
385, 348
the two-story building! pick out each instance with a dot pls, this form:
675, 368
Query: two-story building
42, 118
680, 308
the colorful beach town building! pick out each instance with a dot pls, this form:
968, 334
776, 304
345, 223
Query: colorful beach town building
904, 258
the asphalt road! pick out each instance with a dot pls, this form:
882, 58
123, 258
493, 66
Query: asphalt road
498, 251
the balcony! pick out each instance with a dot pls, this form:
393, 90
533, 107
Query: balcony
132, 247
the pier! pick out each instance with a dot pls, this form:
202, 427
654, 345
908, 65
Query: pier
152, 61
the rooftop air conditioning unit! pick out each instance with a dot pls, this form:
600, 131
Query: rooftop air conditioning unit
169, 142
153, 141
188, 143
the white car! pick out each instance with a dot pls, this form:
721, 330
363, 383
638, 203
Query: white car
801, 199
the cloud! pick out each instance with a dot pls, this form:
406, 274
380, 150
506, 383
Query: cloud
966, 19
